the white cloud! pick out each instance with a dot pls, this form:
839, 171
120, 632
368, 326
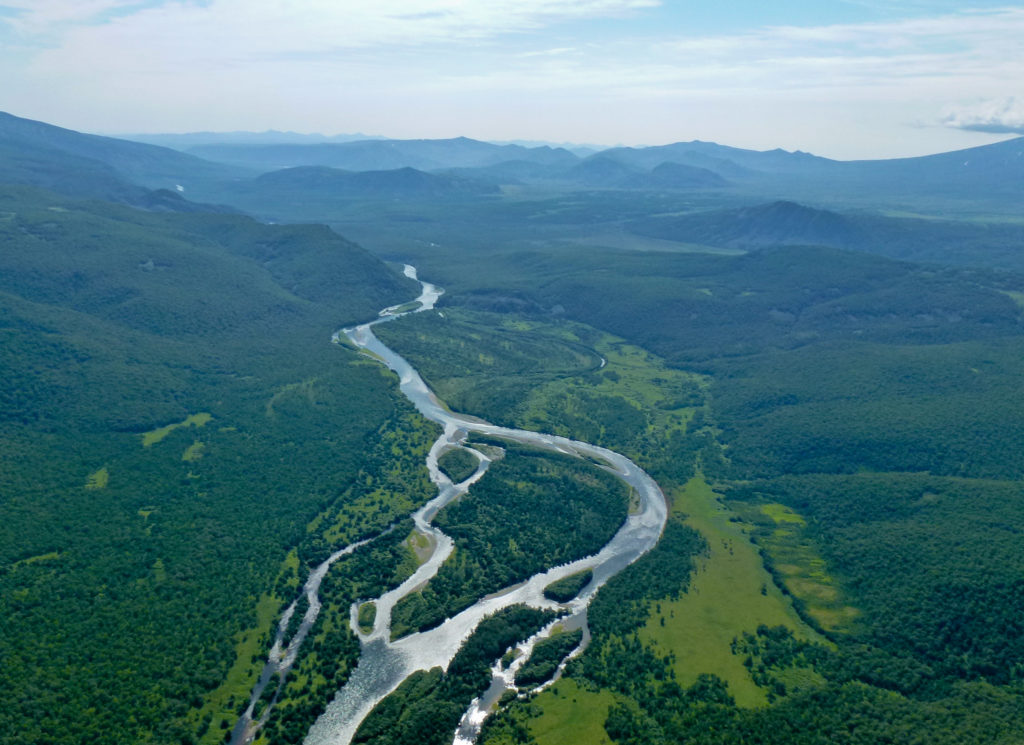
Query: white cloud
37, 16
494, 68
284, 26
556, 52
960, 28
986, 32
1005, 115
439, 39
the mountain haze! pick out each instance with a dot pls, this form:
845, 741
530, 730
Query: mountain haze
89, 165
399, 182
993, 244
378, 155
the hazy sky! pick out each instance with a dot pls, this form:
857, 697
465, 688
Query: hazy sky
842, 78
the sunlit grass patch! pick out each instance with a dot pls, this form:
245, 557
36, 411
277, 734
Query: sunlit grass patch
406, 307
343, 341
571, 715
98, 479
780, 531
781, 514
1017, 297
50, 556
730, 593
223, 702
799, 678
194, 451
834, 618
422, 546
156, 435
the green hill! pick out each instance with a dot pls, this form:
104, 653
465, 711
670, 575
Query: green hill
173, 416
776, 224
75, 164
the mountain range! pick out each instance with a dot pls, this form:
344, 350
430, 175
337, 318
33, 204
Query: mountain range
88, 165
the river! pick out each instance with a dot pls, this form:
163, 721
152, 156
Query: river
383, 663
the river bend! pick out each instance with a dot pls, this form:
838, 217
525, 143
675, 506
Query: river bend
383, 663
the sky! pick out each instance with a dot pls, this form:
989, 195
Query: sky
841, 78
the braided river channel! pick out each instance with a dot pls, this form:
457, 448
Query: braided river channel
384, 663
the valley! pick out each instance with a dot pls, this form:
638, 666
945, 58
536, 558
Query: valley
780, 428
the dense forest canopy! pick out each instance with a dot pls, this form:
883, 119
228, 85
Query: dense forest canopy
172, 418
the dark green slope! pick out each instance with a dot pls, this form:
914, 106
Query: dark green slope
693, 307
986, 172
76, 164
994, 244
125, 569
64, 173
199, 274
777, 224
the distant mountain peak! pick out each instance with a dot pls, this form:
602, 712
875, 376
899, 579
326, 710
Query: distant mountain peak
405, 181
779, 223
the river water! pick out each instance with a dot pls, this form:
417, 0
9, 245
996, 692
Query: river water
383, 663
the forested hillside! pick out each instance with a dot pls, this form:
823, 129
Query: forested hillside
172, 417
82, 165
